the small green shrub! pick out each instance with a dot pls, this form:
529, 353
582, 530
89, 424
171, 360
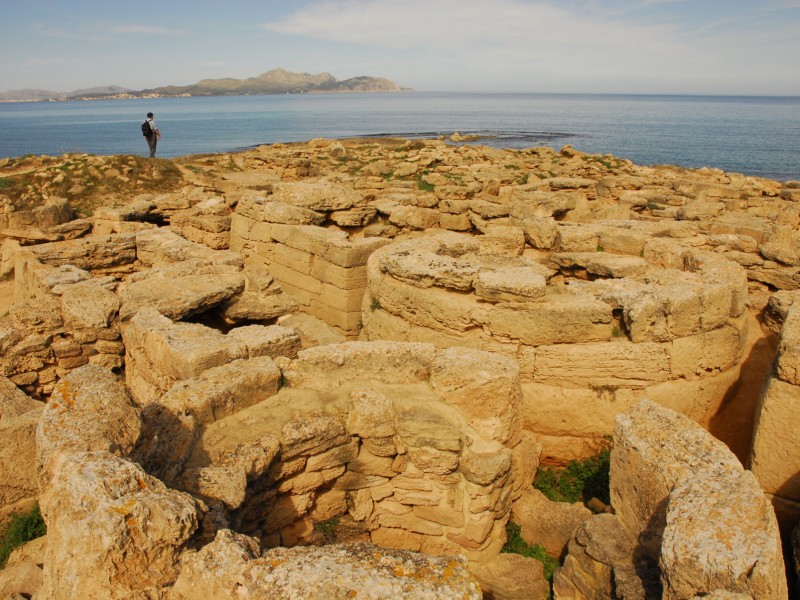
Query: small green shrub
424, 186
5, 182
600, 248
20, 529
524, 179
375, 304
615, 332
580, 480
517, 545
327, 530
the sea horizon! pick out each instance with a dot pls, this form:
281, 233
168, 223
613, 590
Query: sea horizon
749, 134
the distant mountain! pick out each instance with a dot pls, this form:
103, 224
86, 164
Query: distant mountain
28, 95
277, 81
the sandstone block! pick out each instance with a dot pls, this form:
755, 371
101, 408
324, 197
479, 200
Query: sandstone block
90, 409
88, 306
602, 364
773, 459
698, 552
329, 366
510, 284
180, 290
550, 524
130, 518
484, 387
272, 340
370, 415
562, 320
512, 577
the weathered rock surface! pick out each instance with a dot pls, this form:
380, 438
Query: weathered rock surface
113, 530
685, 510
361, 570
90, 410
549, 524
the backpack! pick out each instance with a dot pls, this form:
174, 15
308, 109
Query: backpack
146, 129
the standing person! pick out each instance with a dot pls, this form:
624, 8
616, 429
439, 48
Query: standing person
151, 134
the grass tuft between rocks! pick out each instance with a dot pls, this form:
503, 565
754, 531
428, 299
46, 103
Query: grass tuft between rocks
20, 529
517, 545
579, 481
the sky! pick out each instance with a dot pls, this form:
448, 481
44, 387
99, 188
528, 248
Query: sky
726, 47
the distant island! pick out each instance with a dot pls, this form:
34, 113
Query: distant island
277, 81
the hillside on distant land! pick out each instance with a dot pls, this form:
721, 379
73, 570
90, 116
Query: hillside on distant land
277, 81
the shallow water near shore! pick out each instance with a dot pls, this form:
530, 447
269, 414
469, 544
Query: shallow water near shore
750, 135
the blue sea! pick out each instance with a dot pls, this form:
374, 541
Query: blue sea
750, 135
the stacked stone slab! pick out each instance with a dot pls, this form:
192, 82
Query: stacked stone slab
688, 522
322, 268
137, 537
602, 318
424, 446
774, 458
72, 296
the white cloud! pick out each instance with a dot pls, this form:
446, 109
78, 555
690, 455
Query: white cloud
541, 42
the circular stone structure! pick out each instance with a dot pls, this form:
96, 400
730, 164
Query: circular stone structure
598, 318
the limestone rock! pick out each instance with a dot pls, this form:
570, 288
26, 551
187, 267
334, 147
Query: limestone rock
483, 386
103, 512
13, 401
318, 195
363, 569
549, 524
600, 544
272, 340
654, 449
177, 291
21, 581
94, 252
18, 457
512, 577
721, 535
216, 571
90, 409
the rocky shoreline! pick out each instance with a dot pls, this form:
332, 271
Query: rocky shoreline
397, 332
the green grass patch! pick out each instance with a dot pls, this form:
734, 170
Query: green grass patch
579, 481
423, 185
5, 182
20, 529
517, 545
327, 530
524, 179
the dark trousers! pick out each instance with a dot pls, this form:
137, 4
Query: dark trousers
152, 142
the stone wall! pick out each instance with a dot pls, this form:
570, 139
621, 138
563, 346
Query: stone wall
451, 468
774, 458
600, 318
72, 296
424, 446
322, 268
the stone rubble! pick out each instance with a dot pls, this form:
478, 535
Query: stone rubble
208, 403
